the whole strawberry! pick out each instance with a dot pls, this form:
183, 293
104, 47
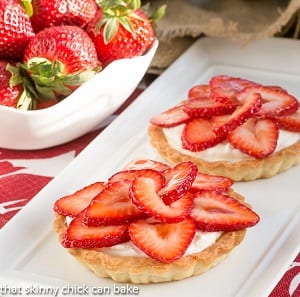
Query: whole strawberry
48, 13
15, 30
59, 59
121, 29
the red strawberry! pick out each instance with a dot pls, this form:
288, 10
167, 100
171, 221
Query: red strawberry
112, 206
16, 30
121, 30
144, 195
207, 107
171, 117
210, 182
290, 122
214, 211
228, 87
256, 137
163, 242
275, 101
45, 103
199, 92
147, 164
178, 181
251, 103
132, 174
59, 59
72, 205
9, 95
48, 13
78, 235
198, 135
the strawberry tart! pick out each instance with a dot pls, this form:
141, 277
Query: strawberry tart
231, 127
152, 223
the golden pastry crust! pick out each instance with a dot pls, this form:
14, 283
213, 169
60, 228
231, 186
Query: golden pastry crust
237, 171
144, 270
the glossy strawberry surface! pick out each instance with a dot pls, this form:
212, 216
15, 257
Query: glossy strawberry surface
48, 13
15, 30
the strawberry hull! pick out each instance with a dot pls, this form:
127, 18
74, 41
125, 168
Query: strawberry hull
78, 113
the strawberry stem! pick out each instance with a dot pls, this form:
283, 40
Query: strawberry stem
27, 6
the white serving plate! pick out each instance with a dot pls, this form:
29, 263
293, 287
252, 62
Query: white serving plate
31, 255
77, 114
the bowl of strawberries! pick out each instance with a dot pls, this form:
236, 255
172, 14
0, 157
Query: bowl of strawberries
64, 68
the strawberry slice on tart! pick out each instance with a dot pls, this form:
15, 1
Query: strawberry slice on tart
208, 182
171, 117
257, 137
144, 194
101, 212
207, 107
224, 87
178, 181
72, 205
289, 122
162, 241
215, 211
79, 235
199, 134
200, 91
275, 101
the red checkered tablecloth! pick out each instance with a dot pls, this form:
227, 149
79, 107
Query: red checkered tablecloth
24, 173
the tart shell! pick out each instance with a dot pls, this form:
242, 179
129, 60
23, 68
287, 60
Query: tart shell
237, 171
145, 270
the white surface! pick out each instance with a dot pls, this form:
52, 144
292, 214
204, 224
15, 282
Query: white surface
77, 114
31, 254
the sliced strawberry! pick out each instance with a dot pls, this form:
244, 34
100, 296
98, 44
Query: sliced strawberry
198, 135
210, 182
206, 107
257, 137
199, 91
112, 206
215, 211
178, 181
131, 174
147, 164
171, 117
163, 242
73, 204
228, 87
79, 235
290, 122
144, 195
251, 103
275, 101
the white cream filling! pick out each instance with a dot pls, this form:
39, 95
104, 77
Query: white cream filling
223, 151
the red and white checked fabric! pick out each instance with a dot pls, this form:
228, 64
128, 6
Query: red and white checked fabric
24, 173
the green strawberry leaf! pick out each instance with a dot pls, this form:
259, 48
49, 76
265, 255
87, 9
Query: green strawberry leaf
26, 102
110, 29
15, 78
158, 14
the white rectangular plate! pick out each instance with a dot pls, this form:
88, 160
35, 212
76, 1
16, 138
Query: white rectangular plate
29, 250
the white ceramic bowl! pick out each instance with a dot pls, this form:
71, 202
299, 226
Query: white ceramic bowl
77, 114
